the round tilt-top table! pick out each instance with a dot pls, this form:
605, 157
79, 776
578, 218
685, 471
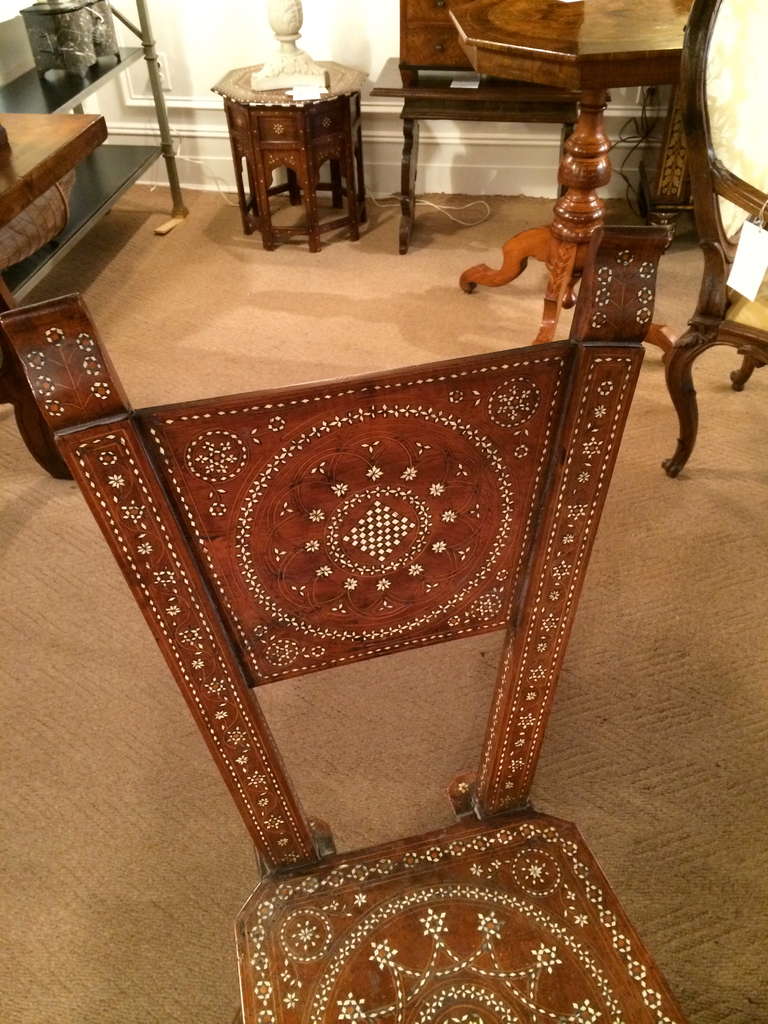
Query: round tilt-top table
589, 46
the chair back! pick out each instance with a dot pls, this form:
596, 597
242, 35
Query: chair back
724, 77
280, 532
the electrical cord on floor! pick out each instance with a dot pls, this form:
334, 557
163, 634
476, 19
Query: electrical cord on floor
221, 185
636, 130
443, 209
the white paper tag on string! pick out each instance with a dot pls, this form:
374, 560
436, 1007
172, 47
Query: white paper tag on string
751, 261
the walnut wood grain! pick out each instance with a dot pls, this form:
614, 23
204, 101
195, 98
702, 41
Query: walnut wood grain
43, 147
593, 44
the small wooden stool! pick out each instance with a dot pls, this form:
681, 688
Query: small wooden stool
269, 130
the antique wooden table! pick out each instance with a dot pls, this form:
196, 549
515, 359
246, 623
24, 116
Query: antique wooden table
591, 46
432, 95
39, 150
270, 130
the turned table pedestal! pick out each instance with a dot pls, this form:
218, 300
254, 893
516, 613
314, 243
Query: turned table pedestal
590, 46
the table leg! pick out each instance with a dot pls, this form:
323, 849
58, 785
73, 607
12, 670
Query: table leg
408, 181
584, 168
360, 174
294, 192
337, 191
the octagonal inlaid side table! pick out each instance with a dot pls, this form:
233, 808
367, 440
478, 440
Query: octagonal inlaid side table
590, 46
270, 130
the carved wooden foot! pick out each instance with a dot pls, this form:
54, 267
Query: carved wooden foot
561, 263
740, 377
461, 792
679, 366
531, 244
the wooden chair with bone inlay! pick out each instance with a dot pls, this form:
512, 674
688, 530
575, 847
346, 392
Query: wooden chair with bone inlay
272, 534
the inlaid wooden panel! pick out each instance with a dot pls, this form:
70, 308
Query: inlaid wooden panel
511, 923
349, 521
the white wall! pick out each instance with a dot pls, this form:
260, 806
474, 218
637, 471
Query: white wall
200, 40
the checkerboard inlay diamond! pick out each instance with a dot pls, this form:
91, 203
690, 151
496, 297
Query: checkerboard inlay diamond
380, 531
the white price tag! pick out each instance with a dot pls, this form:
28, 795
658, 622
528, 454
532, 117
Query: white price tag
751, 261
307, 92
465, 83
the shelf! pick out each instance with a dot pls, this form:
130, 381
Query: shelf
101, 180
59, 91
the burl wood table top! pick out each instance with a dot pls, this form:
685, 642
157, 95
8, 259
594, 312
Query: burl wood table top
43, 147
582, 44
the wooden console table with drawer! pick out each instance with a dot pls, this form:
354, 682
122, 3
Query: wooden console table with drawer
429, 53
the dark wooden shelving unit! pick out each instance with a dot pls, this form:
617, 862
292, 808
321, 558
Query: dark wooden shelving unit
58, 91
111, 169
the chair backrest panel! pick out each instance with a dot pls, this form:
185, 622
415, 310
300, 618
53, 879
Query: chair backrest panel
457, 497
348, 521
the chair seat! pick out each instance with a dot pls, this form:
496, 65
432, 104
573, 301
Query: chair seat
476, 924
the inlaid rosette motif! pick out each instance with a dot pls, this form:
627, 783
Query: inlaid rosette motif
369, 519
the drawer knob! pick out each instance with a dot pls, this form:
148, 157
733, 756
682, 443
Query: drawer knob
439, 47
440, 3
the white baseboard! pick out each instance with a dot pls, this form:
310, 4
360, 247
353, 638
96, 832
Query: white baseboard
453, 158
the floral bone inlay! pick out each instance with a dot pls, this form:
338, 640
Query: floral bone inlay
375, 542
477, 925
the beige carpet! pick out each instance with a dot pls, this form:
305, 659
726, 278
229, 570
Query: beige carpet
123, 862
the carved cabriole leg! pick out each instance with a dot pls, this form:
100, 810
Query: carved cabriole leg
590, 434
679, 376
111, 464
532, 244
584, 168
740, 377
408, 168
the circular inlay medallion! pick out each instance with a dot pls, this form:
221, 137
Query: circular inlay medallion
374, 523
514, 402
216, 455
536, 872
306, 935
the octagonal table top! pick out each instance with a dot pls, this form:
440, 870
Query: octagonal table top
576, 44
